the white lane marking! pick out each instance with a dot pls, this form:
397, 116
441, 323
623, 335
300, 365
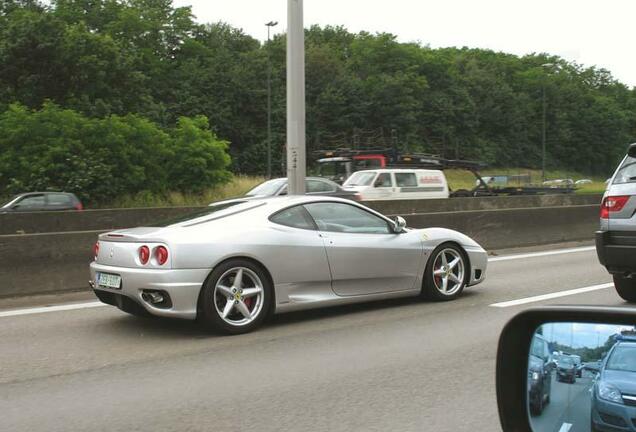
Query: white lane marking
551, 295
541, 254
565, 427
75, 306
45, 309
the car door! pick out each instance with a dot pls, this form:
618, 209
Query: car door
382, 188
297, 257
365, 256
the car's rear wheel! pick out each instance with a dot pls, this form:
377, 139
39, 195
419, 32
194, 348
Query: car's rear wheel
446, 273
236, 297
626, 288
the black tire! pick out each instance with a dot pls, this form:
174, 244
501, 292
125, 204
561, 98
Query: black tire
208, 308
626, 288
537, 408
430, 290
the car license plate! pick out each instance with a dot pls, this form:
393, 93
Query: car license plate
109, 280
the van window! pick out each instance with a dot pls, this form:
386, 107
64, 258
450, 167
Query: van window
405, 180
383, 180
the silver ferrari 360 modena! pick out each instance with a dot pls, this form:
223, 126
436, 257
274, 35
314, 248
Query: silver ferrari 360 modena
230, 266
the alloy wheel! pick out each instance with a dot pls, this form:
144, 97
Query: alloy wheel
448, 271
238, 296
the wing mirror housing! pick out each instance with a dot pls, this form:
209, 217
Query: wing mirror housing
399, 225
580, 334
631, 151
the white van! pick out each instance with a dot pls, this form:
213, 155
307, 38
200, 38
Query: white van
396, 184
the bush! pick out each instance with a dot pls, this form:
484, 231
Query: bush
100, 159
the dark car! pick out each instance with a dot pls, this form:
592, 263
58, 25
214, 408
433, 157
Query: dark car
313, 186
42, 201
614, 393
566, 371
539, 374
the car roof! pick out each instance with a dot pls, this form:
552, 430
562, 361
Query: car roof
23, 194
306, 178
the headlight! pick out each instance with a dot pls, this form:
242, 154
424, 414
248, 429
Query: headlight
609, 393
535, 376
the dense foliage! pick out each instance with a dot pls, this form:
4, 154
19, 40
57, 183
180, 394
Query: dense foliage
148, 70
100, 159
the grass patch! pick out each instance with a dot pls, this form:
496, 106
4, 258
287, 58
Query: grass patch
237, 187
462, 179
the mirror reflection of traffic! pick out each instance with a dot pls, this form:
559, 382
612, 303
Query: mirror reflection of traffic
582, 377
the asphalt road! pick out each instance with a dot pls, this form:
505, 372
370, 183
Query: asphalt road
401, 365
569, 405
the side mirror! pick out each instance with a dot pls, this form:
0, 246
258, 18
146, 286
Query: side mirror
574, 400
399, 225
631, 151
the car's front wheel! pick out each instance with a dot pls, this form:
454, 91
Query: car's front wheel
626, 288
236, 297
446, 273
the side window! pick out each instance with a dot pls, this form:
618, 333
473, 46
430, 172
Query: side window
31, 202
59, 200
405, 180
317, 186
383, 180
295, 217
340, 217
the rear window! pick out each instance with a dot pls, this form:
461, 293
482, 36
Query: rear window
212, 212
60, 200
626, 173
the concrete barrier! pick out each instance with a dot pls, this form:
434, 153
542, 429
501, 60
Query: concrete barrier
46, 222
54, 262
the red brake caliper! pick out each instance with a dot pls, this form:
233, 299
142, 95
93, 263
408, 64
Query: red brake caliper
438, 278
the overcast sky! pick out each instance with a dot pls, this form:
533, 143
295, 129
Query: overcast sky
589, 32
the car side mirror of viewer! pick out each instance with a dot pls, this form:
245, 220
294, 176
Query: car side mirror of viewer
579, 389
399, 225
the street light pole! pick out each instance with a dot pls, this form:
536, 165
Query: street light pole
543, 128
543, 135
269, 102
295, 98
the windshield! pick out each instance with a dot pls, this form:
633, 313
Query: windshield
623, 358
360, 179
566, 361
537, 347
268, 188
627, 171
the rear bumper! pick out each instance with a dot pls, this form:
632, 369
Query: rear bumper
183, 287
616, 250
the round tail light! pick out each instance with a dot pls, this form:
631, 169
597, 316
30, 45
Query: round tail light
144, 254
161, 255
96, 250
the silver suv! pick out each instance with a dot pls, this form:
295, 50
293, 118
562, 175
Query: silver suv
616, 240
